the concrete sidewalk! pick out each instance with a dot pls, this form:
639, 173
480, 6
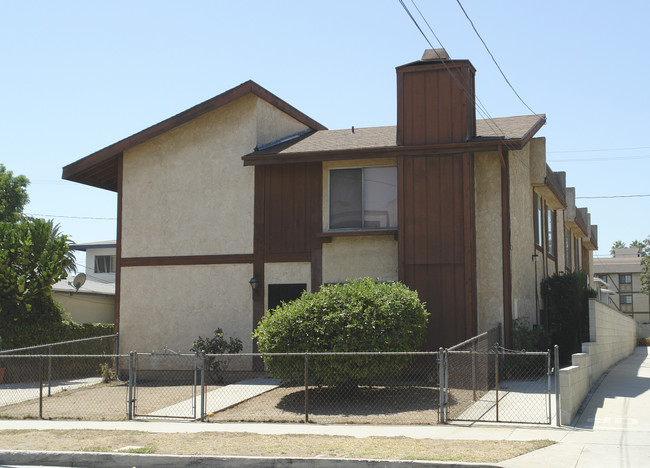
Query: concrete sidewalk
612, 431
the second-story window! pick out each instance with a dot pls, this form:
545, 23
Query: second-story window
538, 219
567, 248
363, 198
625, 279
551, 247
105, 264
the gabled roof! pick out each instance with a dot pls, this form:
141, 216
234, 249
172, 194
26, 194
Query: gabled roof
100, 169
509, 132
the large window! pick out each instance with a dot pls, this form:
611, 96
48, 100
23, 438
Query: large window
105, 264
363, 198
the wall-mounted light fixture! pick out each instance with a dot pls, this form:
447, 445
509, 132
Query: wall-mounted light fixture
255, 286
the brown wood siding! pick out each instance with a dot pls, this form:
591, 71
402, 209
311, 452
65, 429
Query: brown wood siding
435, 104
436, 242
292, 211
288, 221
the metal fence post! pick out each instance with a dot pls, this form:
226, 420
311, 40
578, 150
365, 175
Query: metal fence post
116, 352
548, 383
441, 386
131, 381
558, 409
203, 403
40, 386
306, 388
49, 371
474, 371
496, 376
195, 385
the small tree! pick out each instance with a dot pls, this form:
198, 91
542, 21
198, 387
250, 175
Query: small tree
360, 315
33, 256
13, 195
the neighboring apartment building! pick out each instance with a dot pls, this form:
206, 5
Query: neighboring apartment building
242, 201
622, 273
94, 301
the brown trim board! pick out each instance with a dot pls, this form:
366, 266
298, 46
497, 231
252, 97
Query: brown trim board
505, 246
118, 251
187, 260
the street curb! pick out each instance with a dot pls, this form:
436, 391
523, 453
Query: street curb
130, 460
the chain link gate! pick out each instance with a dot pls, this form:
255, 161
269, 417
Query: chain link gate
166, 385
496, 385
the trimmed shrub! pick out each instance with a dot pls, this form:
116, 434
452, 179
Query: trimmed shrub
358, 316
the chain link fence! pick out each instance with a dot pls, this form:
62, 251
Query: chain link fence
505, 386
475, 382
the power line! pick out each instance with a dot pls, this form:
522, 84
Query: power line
70, 217
618, 196
478, 105
603, 149
622, 158
493, 59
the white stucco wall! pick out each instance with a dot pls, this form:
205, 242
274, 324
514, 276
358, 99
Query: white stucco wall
172, 305
489, 248
186, 192
522, 238
348, 258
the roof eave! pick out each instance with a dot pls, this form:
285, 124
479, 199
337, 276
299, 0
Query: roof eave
253, 159
80, 170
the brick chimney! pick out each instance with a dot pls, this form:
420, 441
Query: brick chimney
435, 100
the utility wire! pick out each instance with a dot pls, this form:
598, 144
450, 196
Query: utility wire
70, 217
478, 105
619, 196
494, 59
622, 158
604, 149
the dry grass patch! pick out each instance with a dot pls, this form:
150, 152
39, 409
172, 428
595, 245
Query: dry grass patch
244, 444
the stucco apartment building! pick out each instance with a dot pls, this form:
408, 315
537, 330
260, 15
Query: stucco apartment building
622, 274
242, 201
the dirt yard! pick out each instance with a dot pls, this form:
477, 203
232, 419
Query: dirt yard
364, 405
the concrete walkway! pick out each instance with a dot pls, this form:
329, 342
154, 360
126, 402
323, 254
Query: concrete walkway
613, 431
221, 398
19, 392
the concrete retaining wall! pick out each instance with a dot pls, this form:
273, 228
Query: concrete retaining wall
613, 337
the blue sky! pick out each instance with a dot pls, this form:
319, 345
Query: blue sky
78, 76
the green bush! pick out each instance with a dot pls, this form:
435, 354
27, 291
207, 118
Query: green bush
44, 324
217, 345
527, 338
358, 316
